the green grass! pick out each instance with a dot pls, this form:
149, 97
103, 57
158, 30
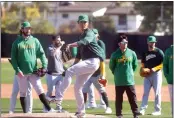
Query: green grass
70, 106
7, 74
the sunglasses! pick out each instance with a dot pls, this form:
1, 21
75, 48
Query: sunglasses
124, 43
83, 22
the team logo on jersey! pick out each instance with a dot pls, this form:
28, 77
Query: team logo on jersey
150, 56
124, 59
27, 46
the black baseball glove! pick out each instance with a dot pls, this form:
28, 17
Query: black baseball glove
40, 72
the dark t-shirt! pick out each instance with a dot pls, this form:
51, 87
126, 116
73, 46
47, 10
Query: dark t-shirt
152, 58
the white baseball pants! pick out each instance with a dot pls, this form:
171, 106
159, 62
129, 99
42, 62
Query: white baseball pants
15, 91
34, 80
155, 81
83, 71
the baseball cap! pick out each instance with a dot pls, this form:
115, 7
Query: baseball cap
95, 31
151, 39
83, 17
25, 24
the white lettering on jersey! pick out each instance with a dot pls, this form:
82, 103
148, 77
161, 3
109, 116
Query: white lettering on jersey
150, 56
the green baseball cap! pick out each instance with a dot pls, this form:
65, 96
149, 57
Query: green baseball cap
25, 24
83, 17
151, 39
95, 31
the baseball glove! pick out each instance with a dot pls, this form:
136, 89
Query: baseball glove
66, 55
40, 72
102, 82
144, 72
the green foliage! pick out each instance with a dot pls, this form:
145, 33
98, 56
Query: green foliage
9, 24
43, 27
152, 16
104, 23
19, 12
32, 13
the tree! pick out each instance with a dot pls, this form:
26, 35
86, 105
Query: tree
104, 23
32, 13
8, 24
43, 27
17, 12
152, 12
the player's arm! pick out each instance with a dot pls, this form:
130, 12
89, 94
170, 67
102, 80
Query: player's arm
160, 66
134, 62
112, 63
143, 61
166, 64
102, 69
102, 63
41, 54
14, 58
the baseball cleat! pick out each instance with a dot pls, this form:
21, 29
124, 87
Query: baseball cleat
10, 112
119, 116
79, 115
52, 111
108, 110
45, 110
90, 105
156, 113
142, 112
101, 106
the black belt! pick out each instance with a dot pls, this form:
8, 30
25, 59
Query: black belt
52, 73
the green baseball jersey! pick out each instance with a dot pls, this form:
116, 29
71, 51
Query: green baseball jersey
102, 45
123, 66
168, 65
88, 47
24, 54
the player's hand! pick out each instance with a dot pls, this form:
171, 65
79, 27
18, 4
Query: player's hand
102, 77
62, 42
20, 74
68, 47
152, 70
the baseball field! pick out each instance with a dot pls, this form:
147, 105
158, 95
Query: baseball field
69, 102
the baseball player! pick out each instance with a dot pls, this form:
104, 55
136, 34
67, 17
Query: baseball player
168, 71
91, 54
55, 67
25, 51
123, 63
100, 73
91, 103
91, 95
15, 91
152, 59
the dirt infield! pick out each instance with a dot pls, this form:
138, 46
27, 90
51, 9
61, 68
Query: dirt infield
47, 115
69, 94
